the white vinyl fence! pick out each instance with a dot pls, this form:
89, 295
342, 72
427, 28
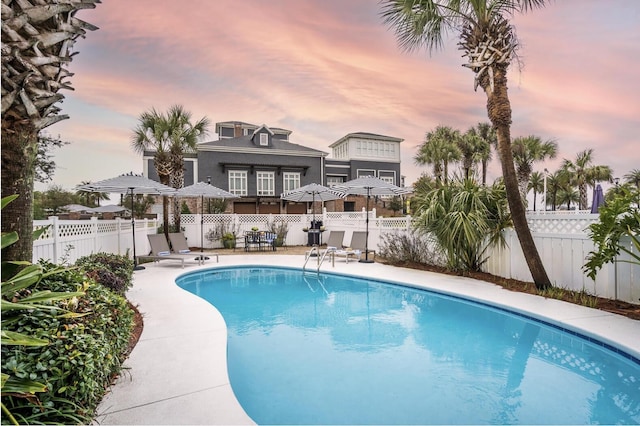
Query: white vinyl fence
563, 243
64, 241
561, 240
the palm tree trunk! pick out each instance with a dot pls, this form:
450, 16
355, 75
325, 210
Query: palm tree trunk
19, 150
534, 200
484, 172
499, 111
583, 196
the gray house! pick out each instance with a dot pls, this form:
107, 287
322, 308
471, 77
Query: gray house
258, 163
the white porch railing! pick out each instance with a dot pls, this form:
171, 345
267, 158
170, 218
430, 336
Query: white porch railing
561, 239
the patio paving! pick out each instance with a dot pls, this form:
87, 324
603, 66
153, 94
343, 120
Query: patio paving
177, 373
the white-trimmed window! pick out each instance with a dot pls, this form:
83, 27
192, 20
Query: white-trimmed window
264, 139
366, 172
266, 183
238, 182
388, 179
290, 181
334, 180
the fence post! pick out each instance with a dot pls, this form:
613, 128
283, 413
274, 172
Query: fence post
119, 231
54, 233
94, 232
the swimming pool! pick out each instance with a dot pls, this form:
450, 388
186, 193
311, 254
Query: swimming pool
333, 350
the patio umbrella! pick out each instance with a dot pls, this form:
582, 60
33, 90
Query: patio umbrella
311, 193
129, 184
203, 190
598, 199
369, 186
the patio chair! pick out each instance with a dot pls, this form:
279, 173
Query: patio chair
179, 245
356, 248
160, 251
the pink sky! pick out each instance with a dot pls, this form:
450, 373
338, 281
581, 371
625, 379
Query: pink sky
325, 68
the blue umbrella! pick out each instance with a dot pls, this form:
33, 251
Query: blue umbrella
598, 199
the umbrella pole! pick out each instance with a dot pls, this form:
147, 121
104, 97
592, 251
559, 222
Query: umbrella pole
366, 241
136, 267
202, 256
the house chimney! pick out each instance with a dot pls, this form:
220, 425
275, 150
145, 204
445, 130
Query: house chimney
237, 130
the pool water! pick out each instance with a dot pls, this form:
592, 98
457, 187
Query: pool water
328, 349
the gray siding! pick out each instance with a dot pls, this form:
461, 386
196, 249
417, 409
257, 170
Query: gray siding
212, 164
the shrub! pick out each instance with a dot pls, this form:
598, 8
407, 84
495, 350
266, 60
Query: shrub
410, 246
85, 349
111, 270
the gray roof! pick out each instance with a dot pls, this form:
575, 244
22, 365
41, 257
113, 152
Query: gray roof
246, 142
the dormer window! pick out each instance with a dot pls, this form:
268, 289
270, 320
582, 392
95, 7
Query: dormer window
264, 139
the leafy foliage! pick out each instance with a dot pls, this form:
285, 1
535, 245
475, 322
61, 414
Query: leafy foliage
45, 165
465, 219
619, 217
111, 270
87, 336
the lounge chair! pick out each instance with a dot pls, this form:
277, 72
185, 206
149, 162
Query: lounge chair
356, 248
160, 251
334, 242
179, 245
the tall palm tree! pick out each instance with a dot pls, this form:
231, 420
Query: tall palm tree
37, 46
526, 151
169, 136
184, 136
470, 145
488, 40
536, 184
439, 149
152, 133
584, 173
487, 134
633, 178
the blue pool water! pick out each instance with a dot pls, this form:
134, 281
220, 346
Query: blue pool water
329, 349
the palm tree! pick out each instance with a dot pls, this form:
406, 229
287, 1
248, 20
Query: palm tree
183, 136
555, 181
37, 46
439, 148
152, 133
526, 151
487, 134
488, 40
633, 178
169, 136
91, 199
536, 184
470, 146
568, 194
584, 173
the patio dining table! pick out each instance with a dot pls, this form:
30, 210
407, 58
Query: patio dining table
260, 241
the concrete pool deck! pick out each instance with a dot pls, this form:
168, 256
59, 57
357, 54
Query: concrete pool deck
177, 373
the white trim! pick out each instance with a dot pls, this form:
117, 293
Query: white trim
264, 151
358, 174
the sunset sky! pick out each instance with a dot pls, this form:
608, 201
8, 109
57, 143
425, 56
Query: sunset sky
325, 68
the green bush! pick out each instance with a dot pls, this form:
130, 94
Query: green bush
85, 349
111, 270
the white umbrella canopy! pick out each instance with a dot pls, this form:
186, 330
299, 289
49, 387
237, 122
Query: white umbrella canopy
311, 193
203, 190
129, 183
370, 185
